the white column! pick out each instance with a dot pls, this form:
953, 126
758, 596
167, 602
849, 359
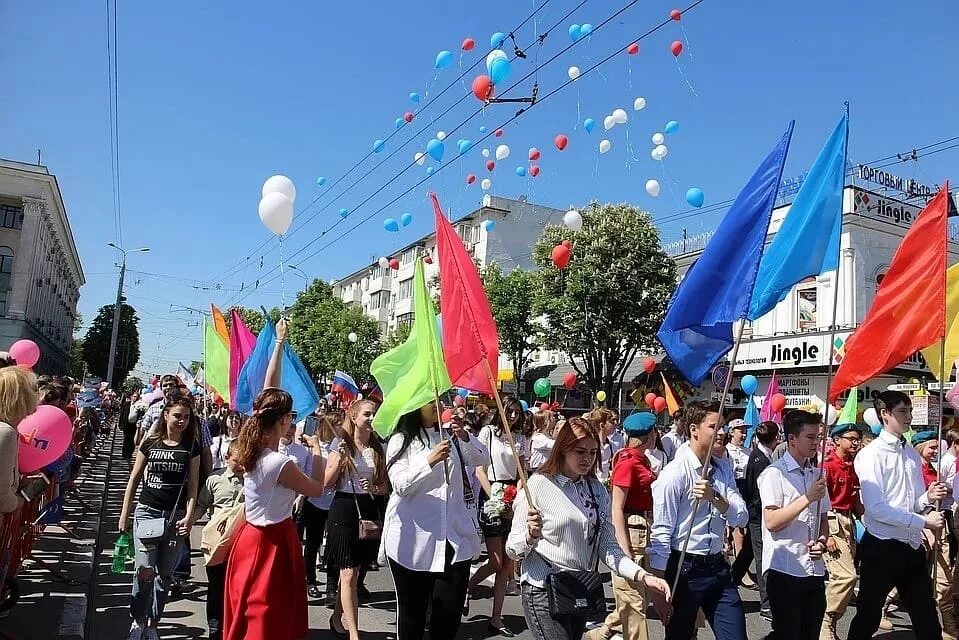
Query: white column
848, 268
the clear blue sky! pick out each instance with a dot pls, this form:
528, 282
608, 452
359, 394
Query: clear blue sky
214, 99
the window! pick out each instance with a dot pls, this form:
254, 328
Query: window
11, 216
807, 305
406, 289
378, 299
404, 319
6, 272
468, 233
408, 256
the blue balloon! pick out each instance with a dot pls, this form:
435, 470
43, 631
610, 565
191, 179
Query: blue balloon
464, 146
671, 127
429, 171
489, 225
499, 70
521, 171
588, 124
525, 405
406, 219
575, 32
344, 212
695, 197
585, 30
463, 393
497, 39
860, 528
749, 384
391, 225
378, 145
443, 59
415, 97
483, 129
398, 123
321, 181
435, 148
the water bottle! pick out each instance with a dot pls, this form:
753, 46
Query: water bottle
121, 551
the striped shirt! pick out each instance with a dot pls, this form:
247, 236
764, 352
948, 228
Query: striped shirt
569, 514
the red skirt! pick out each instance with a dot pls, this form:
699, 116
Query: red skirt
265, 590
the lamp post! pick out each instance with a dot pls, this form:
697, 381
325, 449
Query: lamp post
114, 334
302, 274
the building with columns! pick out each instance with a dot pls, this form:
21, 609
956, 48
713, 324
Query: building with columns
40, 271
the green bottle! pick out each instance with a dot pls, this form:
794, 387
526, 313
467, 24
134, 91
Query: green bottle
121, 551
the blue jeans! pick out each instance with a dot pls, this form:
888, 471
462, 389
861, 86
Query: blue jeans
153, 565
705, 583
541, 624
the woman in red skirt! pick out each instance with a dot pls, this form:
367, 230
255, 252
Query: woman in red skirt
265, 582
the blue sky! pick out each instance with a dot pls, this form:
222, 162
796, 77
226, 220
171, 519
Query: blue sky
215, 99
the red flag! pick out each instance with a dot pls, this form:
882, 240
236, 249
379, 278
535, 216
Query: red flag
909, 312
469, 332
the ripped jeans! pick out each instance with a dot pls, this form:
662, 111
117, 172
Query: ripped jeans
157, 559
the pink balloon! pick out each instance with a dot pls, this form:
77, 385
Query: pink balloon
459, 401
25, 352
44, 437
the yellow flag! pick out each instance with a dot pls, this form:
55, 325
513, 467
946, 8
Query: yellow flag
671, 403
931, 353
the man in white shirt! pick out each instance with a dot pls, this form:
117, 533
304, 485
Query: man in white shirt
676, 436
891, 554
737, 450
683, 503
794, 524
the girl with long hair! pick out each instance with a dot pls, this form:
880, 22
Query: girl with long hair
18, 399
221, 443
168, 462
541, 440
264, 590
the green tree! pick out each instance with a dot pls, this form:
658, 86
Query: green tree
606, 306
509, 298
195, 366
77, 365
398, 336
252, 318
96, 344
132, 384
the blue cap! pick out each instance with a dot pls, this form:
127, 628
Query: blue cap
639, 424
922, 437
840, 429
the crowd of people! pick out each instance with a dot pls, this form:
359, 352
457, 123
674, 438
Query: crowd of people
679, 518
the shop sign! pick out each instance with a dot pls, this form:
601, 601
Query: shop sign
786, 353
920, 411
910, 188
906, 387
872, 205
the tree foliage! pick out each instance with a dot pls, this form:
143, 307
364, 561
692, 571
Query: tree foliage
252, 318
398, 336
96, 344
77, 364
132, 384
510, 297
606, 306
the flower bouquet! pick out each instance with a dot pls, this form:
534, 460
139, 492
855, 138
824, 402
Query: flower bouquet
498, 507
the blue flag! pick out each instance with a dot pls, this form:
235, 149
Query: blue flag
294, 378
807, 243
698, 328
752, 419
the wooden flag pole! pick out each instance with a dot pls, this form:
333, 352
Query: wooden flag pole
509, 434
942, 384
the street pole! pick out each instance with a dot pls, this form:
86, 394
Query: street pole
114, 334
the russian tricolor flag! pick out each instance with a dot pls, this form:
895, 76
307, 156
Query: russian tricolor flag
344, 385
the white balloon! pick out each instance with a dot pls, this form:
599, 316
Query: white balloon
280, 184
573, 220
502, 152
384, 262
485, 153
654, 154
276, 212
573, 73
441, 135
871, 418
352, 337
639, 104
604, 146
831, 414
658, 138
486, 184
662, 151
652, 188
493, 55
609, 122
619, 116
420, 158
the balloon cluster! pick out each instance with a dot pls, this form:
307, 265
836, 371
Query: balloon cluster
276, 204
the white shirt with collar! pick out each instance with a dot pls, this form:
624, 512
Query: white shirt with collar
739, 457
672, 441
785, 551
673, 509
607, 451
299, 454
892, 489
948, 465
427, 508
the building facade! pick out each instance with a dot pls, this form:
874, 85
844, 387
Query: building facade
40, 271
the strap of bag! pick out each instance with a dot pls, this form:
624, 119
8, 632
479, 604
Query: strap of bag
594, 557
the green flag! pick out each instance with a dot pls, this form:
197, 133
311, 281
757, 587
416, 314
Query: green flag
412, 374
851, 408
217, 357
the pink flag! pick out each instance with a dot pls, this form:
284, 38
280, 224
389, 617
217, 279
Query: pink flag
242, 342
766, 414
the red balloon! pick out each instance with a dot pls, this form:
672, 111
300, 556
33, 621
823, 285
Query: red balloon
482, 88
659, 404
676, 47
561, 256
534, 154
777, 402
569, 380
633, 49
470, 179
561, 141
534, 170
498, 133
447, 415
428, 259
490, 165
649, 365
468, 44
650, 398
394, 264
459, 401
676, 14
567, 244
408, 116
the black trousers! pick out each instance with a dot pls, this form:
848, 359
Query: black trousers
885, 564
756, 540
314, 522
215, 578
129, 430
441, 593
798, 605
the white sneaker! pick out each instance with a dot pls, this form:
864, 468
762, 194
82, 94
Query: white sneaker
136, 632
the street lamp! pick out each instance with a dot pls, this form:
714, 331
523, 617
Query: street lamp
116, 308
301, 273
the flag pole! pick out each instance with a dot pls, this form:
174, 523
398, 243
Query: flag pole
942, 383
709, 455
509, 434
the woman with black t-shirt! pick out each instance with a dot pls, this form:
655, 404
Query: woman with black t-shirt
169, 465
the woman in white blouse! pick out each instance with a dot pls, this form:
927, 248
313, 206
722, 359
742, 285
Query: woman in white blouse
557, 534
430, 535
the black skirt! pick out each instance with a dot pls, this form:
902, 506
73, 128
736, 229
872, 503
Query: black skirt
344, 549
496, 527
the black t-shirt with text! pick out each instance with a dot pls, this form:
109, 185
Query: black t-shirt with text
166, 471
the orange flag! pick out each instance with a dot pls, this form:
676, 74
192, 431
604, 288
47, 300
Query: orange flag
909, 312
671, 403
219, 323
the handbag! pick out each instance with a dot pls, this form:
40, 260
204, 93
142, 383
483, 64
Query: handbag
369, 529
216, 545
578, 592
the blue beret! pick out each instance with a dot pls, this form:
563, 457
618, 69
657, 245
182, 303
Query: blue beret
840, 429
639, 424
922, 437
